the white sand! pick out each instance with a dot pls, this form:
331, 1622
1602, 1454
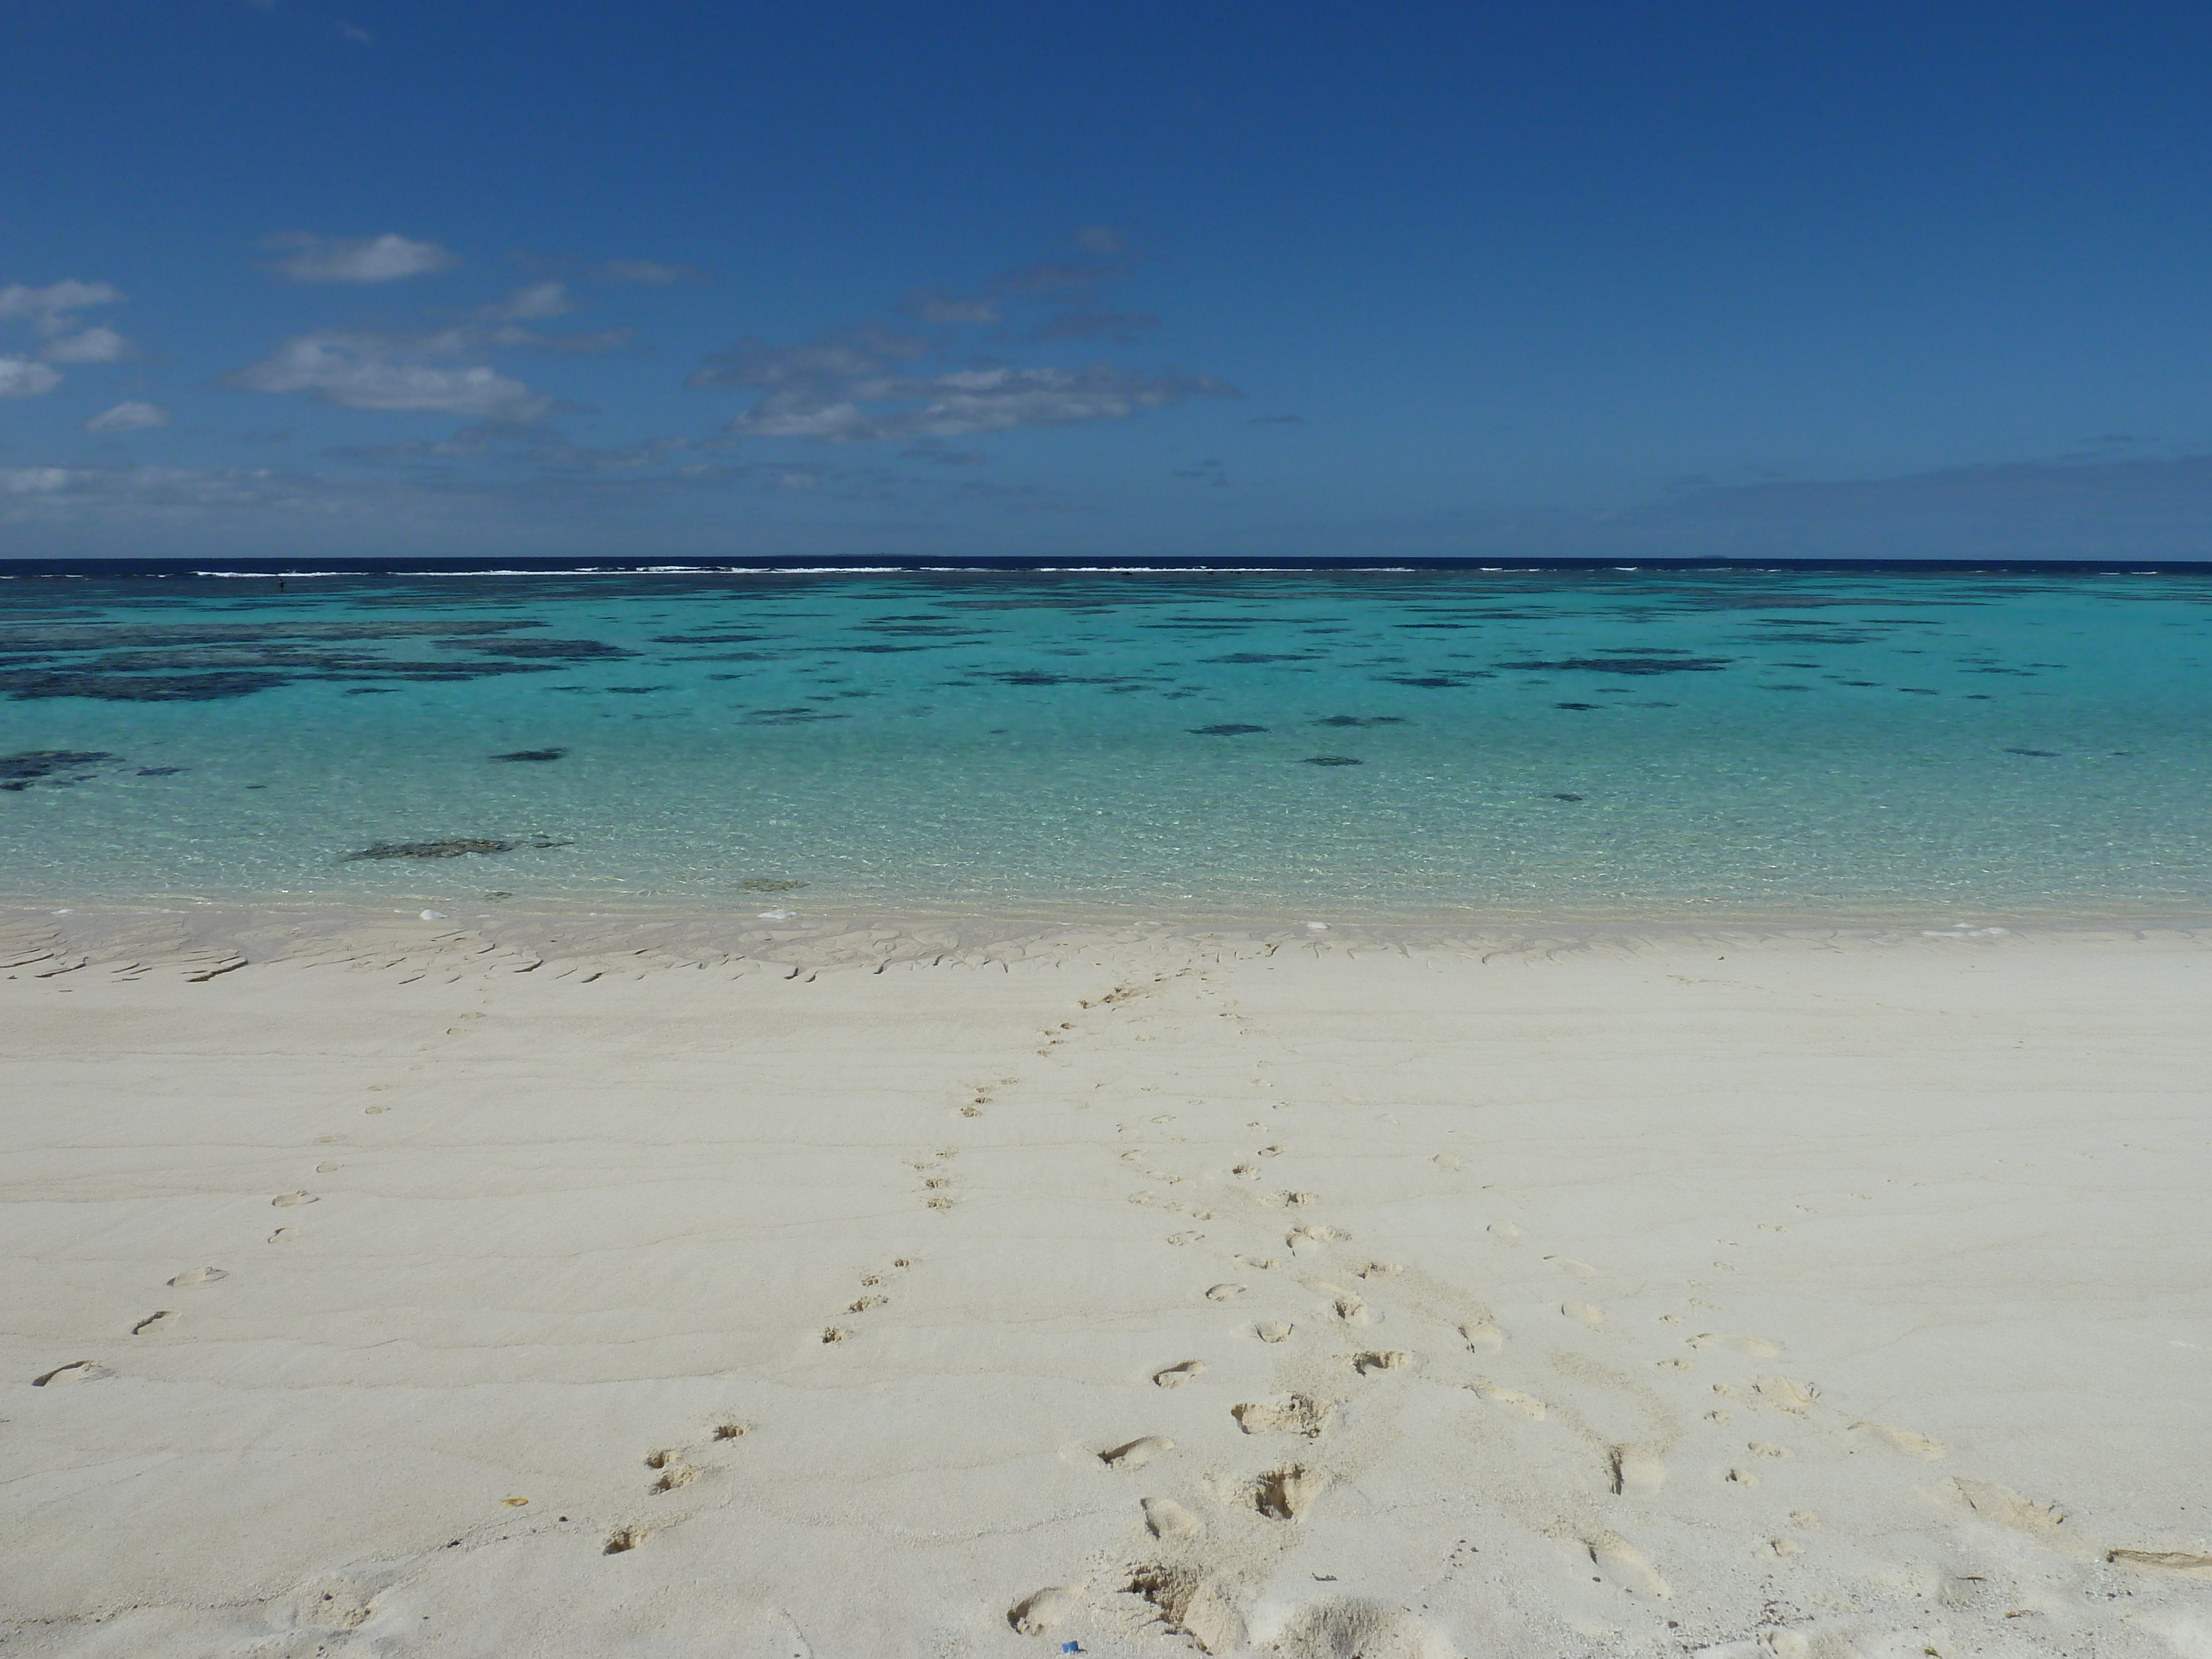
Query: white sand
1827, 1296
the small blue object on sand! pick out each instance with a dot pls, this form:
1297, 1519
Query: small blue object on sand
1070, 1647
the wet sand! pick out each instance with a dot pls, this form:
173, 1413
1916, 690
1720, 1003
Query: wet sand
582, 1286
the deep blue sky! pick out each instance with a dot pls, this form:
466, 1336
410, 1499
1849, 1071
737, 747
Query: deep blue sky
363, 276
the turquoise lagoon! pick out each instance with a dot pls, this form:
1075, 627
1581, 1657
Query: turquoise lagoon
1635, 744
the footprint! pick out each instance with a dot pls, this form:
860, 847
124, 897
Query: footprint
1299, 1414
1999, 1504
284, 1235
192, 1276
1301, 1198
1567, 1264
1785, 1548
1741, 1478
1583, 1313
1446, 1161
836, 1334
1286, 1494
623, 1538
328, 1169
1505, 1232
1224, 1292
1166, 1519
1760, 1448
1351, 1310
1193, 1606
1758, 1347
151, 1321
675, 1476
867, 1303
1185, 1238
1271, 1330
1637, 1473
1527, 1405
1913, 1446
77, 1370
1622, 1564
1381, 1269
1483, 1335
1385, 1360
1304, 1240
730, 1430
1040, 1613
1177, 1375
1137, 1453
286, 1201
1784, 1395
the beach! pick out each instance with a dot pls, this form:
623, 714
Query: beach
566, 1286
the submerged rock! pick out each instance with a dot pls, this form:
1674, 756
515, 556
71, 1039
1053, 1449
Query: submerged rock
1331, 759
21, 771
1355, 719
1225, 731
532, 755
1624, 662
448, 849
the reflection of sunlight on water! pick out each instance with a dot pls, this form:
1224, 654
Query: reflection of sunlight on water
1107, 743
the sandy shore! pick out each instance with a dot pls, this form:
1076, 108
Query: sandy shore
385, 1287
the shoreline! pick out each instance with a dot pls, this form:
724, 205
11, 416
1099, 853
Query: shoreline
880, 937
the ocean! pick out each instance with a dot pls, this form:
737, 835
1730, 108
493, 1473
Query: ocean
1721, 743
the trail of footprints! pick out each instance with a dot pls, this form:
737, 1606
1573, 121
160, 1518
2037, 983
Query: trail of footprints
1741, 1439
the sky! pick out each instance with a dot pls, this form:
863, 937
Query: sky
282, 278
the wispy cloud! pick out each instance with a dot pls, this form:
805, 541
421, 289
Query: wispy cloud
127, 418
21, 378
1121, 326
97, 344
435, 371
393, 374
876, 383
645, 271
932, 307
383, 258
52, 313
837, 392
50, 310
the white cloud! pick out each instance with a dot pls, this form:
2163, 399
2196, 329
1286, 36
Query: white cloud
21, 377
361, 259
99, 344
128, 417
390, 374
48, 308
33, 480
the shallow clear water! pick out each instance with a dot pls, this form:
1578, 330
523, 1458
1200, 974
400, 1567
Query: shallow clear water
1631, 744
